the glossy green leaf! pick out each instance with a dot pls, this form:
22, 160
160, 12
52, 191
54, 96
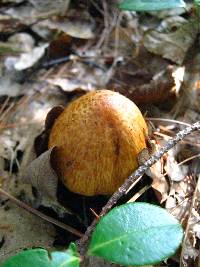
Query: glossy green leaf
136, 234
41, 258
197, 2
150, 5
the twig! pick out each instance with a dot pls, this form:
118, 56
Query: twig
139, 193
40, 214
189, 159
168, 120
83, 242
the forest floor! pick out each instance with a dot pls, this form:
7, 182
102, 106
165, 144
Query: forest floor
52, 52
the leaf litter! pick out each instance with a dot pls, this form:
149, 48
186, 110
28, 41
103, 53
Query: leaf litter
94, 47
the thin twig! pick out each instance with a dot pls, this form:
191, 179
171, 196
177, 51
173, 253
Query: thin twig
168, 120
139, 193
40, 214
4, 105
83, 242
189, 159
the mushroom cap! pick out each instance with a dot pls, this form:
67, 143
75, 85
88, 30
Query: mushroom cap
98, 138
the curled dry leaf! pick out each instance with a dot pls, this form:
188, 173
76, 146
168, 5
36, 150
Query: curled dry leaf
40, 173
42, 176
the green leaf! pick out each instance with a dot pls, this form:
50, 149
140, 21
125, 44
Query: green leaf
150, 5
197, 2
136, 234
41, 258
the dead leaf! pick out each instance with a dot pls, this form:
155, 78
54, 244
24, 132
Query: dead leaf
59, 47
144, 84
58, 6
179, 201
22, 41
190, 246
42, 176
159, 184
175, 171
173, 45
78, 24
27, 60
9, 25
67, 85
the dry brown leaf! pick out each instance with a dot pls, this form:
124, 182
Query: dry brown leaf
175, 171
172, 45
58, 6
179, 200
44, 179
142, 84
9, 25
78, 24
190, 247
68, 85
42, 176
159, 184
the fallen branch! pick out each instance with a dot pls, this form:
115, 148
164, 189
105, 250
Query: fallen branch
83, 242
